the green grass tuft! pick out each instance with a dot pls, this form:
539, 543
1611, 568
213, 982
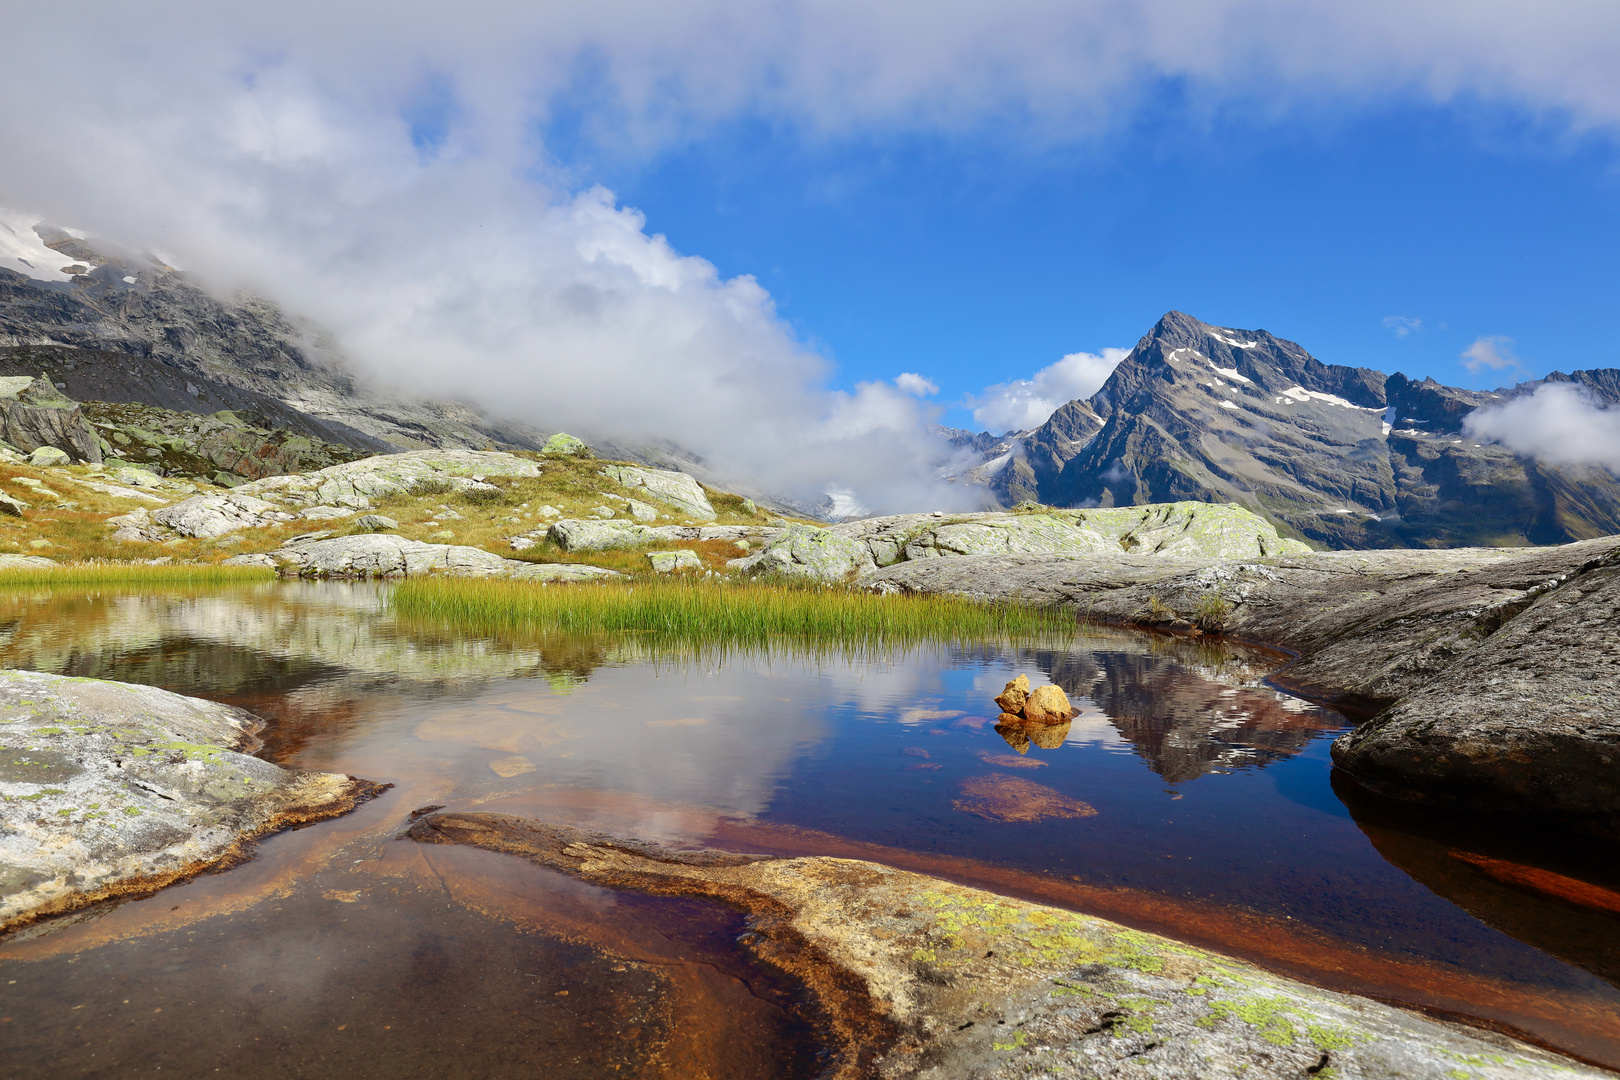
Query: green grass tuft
708, 613
136, 574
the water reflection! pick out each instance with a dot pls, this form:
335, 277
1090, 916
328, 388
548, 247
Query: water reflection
1183, 776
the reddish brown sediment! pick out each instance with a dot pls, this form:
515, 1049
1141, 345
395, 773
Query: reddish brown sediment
307, 799
1584, 1027
854, 1027
1571, 890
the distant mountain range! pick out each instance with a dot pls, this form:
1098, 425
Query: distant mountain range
1344, 457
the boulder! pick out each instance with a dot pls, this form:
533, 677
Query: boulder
1013, 697
803, 551
34, 415
573, 534
117, 790
215, 515
376, 523
564, 445
1006, 534
1192, 530
1048, 705
26, 562
661, 485
48, 457
13, 507
668, 562
377, 555
641, 511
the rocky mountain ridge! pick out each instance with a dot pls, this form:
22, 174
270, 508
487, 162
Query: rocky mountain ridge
1345, 457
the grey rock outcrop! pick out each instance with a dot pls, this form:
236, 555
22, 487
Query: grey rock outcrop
661, 485
34, 415
207, 516
354, 484
562, 572
573, 534
112, 789
1176, 530
378, 555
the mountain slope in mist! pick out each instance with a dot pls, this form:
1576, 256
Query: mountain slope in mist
1346, 457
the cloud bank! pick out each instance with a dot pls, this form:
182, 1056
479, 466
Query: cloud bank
1025, 403
1558, 423
387, 171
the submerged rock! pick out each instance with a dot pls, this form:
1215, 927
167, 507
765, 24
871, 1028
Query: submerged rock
110, 789
913, 976
1000, 797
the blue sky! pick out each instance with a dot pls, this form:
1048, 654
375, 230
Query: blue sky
1392, 239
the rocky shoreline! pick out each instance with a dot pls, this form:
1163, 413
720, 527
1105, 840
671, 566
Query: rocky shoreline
914, 976
1492, 675
112, 791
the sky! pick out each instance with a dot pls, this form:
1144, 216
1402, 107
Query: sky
791, 236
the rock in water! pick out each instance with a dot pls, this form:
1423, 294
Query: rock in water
1013, 697
116, 790
1048, 705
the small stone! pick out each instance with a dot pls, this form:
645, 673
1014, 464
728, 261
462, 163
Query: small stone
443, 534
600, 512
37, 544
1048, 705
1014, 695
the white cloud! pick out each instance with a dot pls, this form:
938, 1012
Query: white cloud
1495, 353
916, 385
1559, 423
1402, 325
1025, 403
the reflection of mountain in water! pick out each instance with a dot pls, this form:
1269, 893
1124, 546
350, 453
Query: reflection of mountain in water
1189, 707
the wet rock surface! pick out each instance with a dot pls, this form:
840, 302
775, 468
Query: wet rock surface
913, 976
112, 790
1497, 667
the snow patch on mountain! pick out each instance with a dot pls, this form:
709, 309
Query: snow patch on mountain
22, 250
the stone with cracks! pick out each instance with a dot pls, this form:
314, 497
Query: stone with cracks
34, 415
803, 551
1012, 698
353, 485
377, 555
